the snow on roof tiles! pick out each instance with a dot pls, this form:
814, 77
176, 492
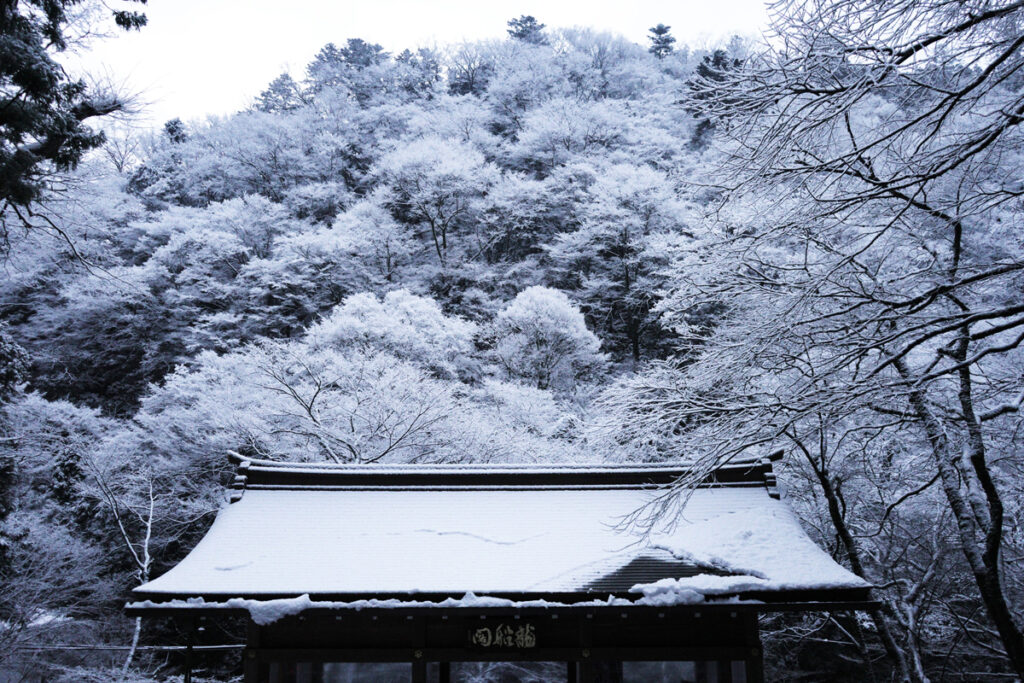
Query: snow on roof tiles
330, 531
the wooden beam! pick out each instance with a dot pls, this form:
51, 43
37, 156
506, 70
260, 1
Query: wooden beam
845, 600
615, 654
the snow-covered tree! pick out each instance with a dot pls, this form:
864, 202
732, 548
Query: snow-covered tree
661, 41
408, 326
527, 29
43, 108
615, 259
865, 286
542, 339
283, 94
421, 258
435, 184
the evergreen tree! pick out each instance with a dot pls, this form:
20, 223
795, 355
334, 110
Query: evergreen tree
713, 70
321, 71
67, 473
361, 54
422, 71
13, 371
283, 94
661, 41
717, 67
13, 365
175, 131
527, 29
42, 109
335, 66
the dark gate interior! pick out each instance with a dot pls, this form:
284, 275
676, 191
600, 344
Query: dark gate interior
708, 645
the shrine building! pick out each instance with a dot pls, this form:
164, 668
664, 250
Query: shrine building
411, 572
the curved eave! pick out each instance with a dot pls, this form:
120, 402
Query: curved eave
853, 599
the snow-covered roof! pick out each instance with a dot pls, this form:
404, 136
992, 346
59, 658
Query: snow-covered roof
416, 533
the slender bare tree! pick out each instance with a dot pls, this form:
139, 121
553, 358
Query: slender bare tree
866, 265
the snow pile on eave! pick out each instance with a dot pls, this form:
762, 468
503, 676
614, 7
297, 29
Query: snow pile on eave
763, 550
695, 589
265, 612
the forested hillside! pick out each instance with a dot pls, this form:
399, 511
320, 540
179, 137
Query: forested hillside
561, 246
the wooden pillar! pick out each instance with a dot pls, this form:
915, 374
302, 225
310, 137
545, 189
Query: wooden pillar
444, 671
251, 666
189, 640
419, 640
755, 654
586, 667
570, 674
742, 623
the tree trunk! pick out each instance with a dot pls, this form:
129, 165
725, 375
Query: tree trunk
975, 543
892, 648
134, 646
437, 242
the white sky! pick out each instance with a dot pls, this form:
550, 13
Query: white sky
200, 57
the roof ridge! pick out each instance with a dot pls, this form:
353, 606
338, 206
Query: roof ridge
270, 474
678, 465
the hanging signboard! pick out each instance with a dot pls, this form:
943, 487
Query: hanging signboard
503, 636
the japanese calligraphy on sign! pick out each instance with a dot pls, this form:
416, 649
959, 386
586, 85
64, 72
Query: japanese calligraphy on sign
506, 636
